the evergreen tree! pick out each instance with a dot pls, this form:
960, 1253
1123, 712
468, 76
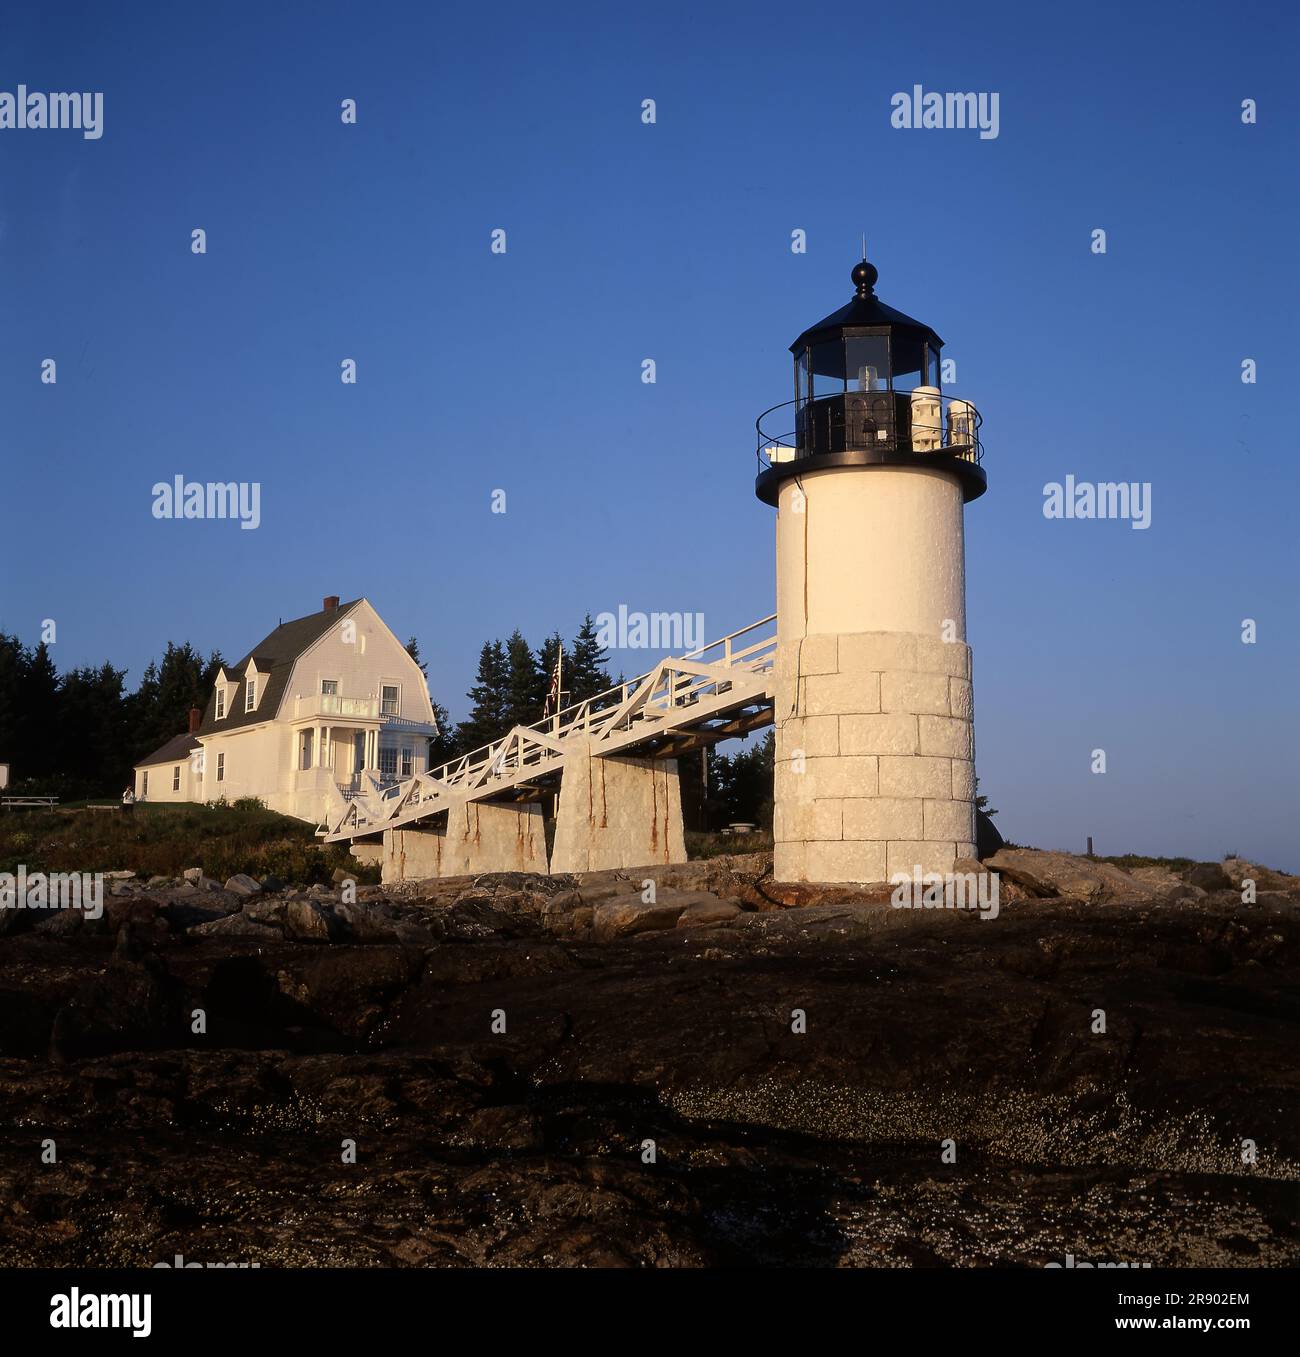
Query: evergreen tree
90, 744
741, 787
38, 706
12, 660
413, 650
585, 670
487, 720
444, 746
160, 707
524, 684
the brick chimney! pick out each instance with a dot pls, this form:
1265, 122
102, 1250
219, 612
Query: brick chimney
331, 602
196, 719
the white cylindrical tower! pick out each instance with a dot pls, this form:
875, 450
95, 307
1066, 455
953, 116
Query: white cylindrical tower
875, 770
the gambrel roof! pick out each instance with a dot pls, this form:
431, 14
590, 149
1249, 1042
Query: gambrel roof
275, 657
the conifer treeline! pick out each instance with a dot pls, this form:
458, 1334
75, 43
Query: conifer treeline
80, 733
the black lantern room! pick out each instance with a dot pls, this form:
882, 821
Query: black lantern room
868, 391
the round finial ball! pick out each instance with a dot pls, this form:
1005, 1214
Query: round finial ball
864, 276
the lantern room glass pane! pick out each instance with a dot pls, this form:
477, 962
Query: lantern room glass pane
933, 374
867, 361
828, 369
801, 376
909, 358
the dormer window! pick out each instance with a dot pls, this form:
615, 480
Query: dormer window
250, 695
221, 701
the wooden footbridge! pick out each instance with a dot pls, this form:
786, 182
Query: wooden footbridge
721, 690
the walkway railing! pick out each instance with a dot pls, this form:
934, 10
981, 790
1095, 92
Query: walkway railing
727, 673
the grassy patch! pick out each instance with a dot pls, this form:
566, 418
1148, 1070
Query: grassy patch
721, 845
1127, 861
158, 840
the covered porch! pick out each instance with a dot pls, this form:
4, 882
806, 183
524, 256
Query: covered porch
387, 749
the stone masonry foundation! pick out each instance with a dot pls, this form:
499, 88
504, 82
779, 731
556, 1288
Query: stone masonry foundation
875, 770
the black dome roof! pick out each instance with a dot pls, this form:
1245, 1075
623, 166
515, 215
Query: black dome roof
865, 311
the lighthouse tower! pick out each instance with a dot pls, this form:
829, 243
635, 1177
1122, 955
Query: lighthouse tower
875, 751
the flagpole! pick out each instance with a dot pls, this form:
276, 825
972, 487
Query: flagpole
559, 686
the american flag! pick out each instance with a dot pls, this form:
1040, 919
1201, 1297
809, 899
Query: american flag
553, 692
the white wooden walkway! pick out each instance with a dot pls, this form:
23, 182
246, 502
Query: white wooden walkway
719, 691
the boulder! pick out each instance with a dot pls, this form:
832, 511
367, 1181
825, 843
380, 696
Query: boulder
1046, 874
769, 895
194, 874
305, 921
182, 916
711, 913
1209, 876
357, 923
236, 926
119, 876
625, 917
1238, 870
242, 884
61, 923
1167, 885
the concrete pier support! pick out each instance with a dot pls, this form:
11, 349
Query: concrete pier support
479, 836
617, 812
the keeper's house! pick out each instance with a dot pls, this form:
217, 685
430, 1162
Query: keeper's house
322, 703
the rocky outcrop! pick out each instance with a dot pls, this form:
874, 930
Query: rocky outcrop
502, 1050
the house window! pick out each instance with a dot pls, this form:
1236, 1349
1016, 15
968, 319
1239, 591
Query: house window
144, 785
329, 687
176, 778
406, 762
221, 767
388, 699
388, 763
250, 697
221, 701
304, 756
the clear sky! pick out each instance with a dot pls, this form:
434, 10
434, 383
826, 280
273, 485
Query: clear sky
672, 241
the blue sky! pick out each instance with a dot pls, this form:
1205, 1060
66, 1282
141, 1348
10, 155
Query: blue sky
522, 371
